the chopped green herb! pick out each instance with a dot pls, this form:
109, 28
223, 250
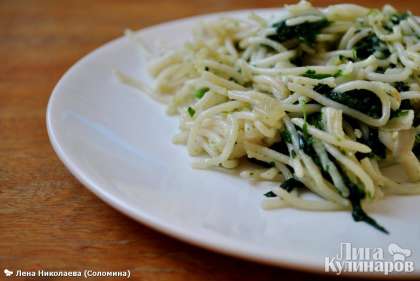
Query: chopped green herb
338, 73
201, 92
305, 129
305, 124
398, 113
388, 27
291, 184
406, 104
371, 45
315, 120
305, 32
270, 194
354, 53
310, 73
356, 196
286, 137
398, 17
417, 141
361, 100
191, 111
323, 89
380, 70
261, 163
280, 147
342, 58
401, 86
306, 145
372, 140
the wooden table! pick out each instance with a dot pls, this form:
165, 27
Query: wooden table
48, 220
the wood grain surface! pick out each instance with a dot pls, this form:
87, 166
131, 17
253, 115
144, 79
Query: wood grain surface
48, 220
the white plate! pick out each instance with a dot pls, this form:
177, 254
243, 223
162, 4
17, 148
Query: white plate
117, 142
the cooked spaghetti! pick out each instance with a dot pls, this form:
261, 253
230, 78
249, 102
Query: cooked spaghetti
319, 100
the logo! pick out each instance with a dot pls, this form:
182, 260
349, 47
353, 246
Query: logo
8, 272
351, 259
398, 253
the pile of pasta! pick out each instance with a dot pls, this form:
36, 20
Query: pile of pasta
318, 100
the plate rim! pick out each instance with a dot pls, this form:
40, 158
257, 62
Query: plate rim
154, 222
